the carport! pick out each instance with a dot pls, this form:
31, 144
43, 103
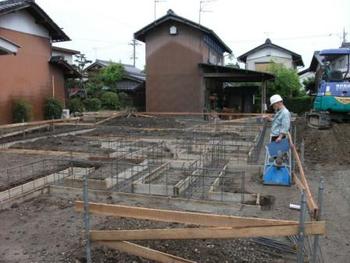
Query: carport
233, 86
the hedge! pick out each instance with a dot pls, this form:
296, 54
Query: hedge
75, 105
299, 105
93, 104
52, 109
22, 111
110, 101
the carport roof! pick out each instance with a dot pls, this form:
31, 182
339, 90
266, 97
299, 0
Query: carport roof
229, 74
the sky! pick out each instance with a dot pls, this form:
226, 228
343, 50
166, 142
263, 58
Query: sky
103, 29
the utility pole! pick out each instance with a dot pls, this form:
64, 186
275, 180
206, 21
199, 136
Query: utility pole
134, 43
344, 35
81, 62
201, 8
155, 7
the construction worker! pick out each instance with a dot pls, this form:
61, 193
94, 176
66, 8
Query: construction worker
280, 121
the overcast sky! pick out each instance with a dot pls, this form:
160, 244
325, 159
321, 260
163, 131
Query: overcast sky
103, 29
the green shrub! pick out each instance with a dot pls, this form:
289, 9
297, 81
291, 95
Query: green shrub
75, 105
125, 100
52, 109
93, 104
22, 111
299, 105
110, 101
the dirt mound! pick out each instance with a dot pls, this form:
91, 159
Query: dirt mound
324, 147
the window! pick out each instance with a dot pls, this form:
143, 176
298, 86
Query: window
262, 66
173, 30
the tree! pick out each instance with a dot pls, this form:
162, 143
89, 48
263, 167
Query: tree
286, 81
106, 77
231, 63
309, 84
111, 74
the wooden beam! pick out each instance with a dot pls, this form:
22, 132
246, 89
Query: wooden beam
45, 152
144, 252
114, 115
311, 228
24, 131
310, 200
199, 113
201, 219
14, 125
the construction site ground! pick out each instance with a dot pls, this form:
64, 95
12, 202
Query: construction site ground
46, 228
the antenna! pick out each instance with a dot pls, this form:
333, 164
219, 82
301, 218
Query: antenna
155, 7
134, 43
202, 9
344, 35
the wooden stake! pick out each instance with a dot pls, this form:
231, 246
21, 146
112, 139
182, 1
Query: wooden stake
310, 200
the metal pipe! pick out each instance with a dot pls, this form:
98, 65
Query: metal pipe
86, 218
301, 235
320, 203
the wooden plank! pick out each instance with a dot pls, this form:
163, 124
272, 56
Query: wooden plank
23, 131
144, 252
311, 228
45, 152
114, 115
199, 113
310, 200
14, 125
201, 219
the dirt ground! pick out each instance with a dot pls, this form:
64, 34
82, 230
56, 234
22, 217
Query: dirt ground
46, 229
67, 143
327, 155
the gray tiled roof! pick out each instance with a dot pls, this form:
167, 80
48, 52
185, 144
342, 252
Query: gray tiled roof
9, 6
130, 70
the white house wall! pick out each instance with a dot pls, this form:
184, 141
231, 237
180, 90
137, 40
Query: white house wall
67, 57
22, 21
268, 55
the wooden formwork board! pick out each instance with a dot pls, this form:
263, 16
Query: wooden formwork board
126, 174
107, 182
40, 183
147, 185
217, 194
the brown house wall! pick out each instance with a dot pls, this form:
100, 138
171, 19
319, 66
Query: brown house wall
174, 81
27, 75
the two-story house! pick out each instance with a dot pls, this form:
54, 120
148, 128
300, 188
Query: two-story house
174, 48
33, 73
259, 58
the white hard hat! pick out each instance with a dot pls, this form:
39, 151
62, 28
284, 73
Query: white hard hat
275, 98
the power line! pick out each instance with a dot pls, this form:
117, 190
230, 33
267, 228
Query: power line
288, 38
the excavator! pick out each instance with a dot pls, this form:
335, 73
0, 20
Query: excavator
332, 89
